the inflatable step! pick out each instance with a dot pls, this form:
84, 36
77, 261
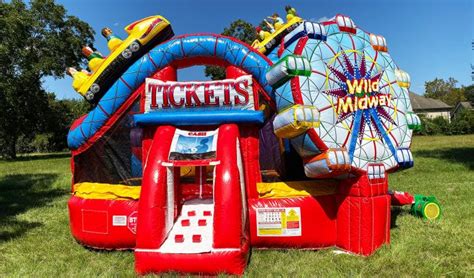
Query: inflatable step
192, 231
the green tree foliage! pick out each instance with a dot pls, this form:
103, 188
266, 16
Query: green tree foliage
445, 90
456, 95
438, 87
51, 134
239, 29
63, 113
38, 39
469, 93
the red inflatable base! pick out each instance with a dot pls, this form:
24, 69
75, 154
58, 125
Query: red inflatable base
318, 222
363, 223
229, 261
104, 224
359, 225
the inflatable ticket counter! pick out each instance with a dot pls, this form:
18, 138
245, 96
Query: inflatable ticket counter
291, 150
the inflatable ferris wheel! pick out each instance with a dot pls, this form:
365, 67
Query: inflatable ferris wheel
342, 78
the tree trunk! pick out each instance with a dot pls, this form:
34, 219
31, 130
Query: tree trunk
10, 149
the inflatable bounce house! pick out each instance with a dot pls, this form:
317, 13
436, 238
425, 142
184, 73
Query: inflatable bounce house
291, 150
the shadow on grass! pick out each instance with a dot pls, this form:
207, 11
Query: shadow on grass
453, 155
395, 212
33, 157
20, 193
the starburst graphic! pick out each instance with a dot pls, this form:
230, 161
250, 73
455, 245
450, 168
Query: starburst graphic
369, 117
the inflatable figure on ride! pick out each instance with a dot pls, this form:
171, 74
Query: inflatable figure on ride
291, 150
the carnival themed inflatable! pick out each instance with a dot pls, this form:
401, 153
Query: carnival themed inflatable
290, 150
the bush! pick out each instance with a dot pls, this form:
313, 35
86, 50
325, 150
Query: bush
427, 127
23, 144
463, 123
42, 143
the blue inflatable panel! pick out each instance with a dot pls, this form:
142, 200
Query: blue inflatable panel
186, 47
136, 165
204, 117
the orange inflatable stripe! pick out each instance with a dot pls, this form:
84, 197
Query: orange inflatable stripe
380, 48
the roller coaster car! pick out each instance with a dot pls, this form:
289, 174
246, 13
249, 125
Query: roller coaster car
267, 45
143, 35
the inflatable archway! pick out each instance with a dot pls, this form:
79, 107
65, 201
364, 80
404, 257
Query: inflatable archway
180, 51
192, 174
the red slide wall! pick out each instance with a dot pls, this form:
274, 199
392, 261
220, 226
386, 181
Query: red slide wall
230, 247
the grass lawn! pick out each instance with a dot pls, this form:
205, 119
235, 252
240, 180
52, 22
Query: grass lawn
35, 239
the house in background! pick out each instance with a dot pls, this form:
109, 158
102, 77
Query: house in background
429, 107
461, 106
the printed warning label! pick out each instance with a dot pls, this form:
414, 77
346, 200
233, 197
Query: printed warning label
119, 220
278, 222
132, 222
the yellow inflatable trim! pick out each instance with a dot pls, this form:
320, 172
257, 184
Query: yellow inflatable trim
403, 84
105, 191
295, 189
261, 45
137, 31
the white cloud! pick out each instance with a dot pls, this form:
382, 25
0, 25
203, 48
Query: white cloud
321, 19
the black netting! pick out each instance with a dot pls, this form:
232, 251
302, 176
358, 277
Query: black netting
115, 157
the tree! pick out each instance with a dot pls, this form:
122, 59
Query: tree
51, 135
456, 95
439, 88
445, 90
469, 93
37, 40
63, 113
240, 30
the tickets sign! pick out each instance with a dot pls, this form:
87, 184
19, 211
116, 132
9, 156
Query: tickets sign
228, 93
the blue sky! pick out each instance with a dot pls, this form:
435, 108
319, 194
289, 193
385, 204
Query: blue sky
426, 38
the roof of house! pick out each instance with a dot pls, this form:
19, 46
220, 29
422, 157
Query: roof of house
423, 103
464, 105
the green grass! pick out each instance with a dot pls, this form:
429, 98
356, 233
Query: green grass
35, 239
